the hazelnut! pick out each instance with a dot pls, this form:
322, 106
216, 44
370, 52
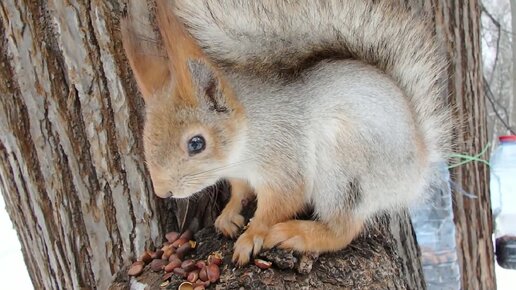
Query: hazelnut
193, 276
203, 274
172, 265
200, 264
145, 257
157, 254
167, 253
213, 272
186, 286
167, 276
262, 264
136, 268
172, 236
178, 243
187, 235
180, 271
183, 250
165, 247
188, 265
174, 257
215, 258
157, 265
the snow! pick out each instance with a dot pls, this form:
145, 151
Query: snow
505, 279
13, 272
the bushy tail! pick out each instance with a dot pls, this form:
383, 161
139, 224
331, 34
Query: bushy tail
277, 36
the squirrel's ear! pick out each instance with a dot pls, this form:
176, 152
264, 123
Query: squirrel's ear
189, 65
149, 64
208, 86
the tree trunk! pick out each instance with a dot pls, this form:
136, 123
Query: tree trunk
71, 162
71, 157
458, 24
512, 101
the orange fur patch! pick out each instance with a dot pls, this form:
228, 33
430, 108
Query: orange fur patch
182, 47
313, 236
150, 71
274, 206
230, 220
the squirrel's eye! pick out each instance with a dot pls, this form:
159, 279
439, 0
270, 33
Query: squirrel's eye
196, 144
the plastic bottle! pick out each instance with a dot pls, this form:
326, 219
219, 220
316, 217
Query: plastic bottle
435, 233
503, 200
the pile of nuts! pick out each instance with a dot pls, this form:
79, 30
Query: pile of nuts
169, 260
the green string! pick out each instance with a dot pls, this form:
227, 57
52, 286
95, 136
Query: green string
469, 158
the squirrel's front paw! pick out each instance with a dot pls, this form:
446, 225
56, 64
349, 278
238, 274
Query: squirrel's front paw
229, 223
249, 243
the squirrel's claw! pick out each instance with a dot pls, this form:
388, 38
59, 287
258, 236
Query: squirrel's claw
248, 244
313, 236
229, 223
286, 235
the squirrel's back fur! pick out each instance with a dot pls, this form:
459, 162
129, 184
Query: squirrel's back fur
280, 38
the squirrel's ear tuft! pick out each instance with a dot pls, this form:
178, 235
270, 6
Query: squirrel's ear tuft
150, 65
208, 86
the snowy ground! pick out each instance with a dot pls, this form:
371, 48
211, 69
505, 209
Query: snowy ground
505, 279
14, 275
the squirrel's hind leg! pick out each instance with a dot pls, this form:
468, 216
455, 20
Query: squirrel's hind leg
230, 220
314, 236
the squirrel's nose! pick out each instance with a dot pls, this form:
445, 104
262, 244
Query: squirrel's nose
163, 193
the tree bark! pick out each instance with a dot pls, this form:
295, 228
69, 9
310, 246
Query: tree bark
71, 158
72, 168
378, 259
73, 176
458, 25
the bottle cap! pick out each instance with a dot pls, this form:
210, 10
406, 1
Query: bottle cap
507, 138
506, 252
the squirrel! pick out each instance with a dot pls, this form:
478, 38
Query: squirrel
331, 105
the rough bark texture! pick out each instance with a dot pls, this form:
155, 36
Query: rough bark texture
72, 171
71, 157
71, 162
458, 24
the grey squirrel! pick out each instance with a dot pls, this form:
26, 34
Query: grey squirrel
333, 105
